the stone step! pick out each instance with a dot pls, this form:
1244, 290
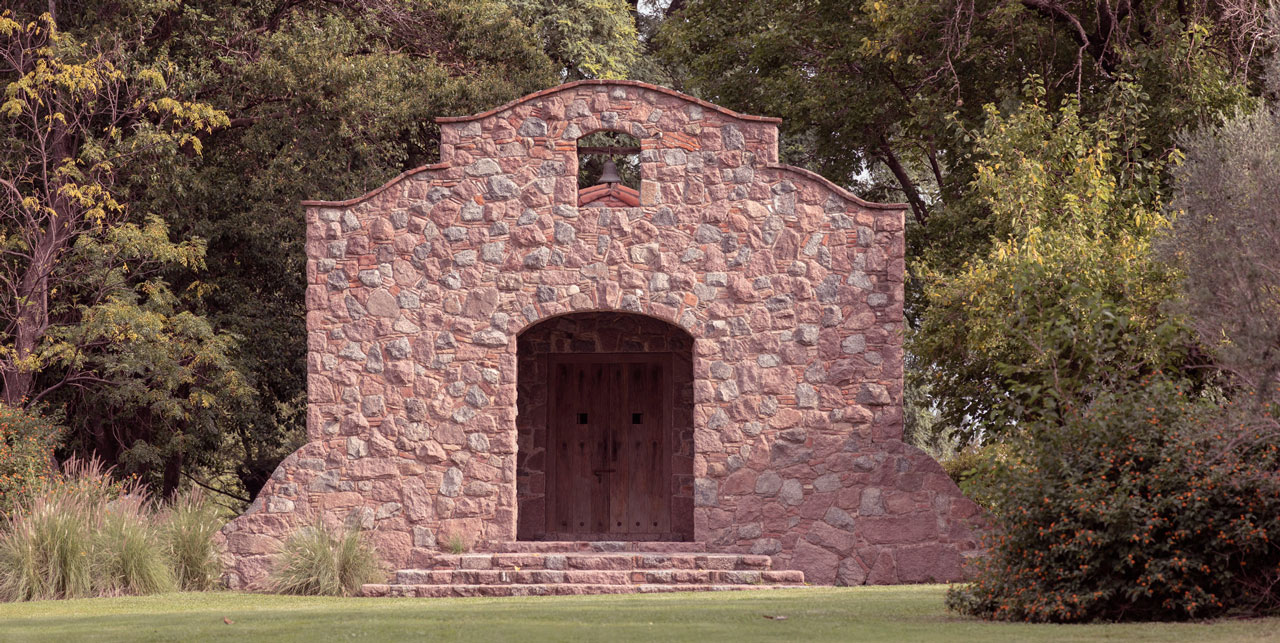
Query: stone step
597, 577
584, 546
580, 567
548, 589
592, 561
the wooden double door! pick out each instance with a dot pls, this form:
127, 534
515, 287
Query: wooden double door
609, 433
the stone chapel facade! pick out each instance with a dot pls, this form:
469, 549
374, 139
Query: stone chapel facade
491, 364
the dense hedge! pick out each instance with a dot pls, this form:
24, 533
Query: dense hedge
1146, 505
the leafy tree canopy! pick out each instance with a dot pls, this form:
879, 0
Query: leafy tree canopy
924, 102
248, 107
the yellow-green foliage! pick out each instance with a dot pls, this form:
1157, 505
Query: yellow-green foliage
1072, 218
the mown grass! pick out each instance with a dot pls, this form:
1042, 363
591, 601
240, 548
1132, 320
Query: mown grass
911, 613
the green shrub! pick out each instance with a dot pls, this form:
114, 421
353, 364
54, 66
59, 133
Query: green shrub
321, 561
1144, 505
189, 526
27, 440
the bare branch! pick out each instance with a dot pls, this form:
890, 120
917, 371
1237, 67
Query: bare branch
214, 489
918, 207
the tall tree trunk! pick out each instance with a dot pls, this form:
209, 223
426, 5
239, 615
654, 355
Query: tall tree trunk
30, 325
32, 319
918, 207
172, 475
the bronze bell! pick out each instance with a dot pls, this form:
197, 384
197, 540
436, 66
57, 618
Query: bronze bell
610, 173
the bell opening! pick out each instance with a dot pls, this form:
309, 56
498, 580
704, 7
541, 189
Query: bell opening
611, 158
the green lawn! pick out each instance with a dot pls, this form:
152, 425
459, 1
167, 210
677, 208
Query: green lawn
910, 613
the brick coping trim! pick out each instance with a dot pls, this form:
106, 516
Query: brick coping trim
837, 189
625, 83
374, 192
630, 197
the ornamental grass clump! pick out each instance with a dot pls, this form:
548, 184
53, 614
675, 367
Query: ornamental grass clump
45, 549
321, 561
49, 545
1144, 505
190, 524
130, 554
83, 534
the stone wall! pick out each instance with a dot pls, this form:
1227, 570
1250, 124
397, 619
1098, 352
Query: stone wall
791, 288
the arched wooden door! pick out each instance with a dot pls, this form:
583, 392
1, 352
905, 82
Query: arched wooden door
609, 438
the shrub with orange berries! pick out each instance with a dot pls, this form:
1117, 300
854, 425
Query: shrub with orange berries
1148, 503
27, 440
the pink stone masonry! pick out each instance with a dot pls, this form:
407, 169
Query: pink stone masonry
790, 288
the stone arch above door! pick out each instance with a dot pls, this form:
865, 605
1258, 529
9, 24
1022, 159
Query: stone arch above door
790, 287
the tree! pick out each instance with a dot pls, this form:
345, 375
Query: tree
307, 126
315, 99
1023, 331
73, 118
882, 85
1136, 491
85, 310
312, 99
1225, 239
888, 98
585, 38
